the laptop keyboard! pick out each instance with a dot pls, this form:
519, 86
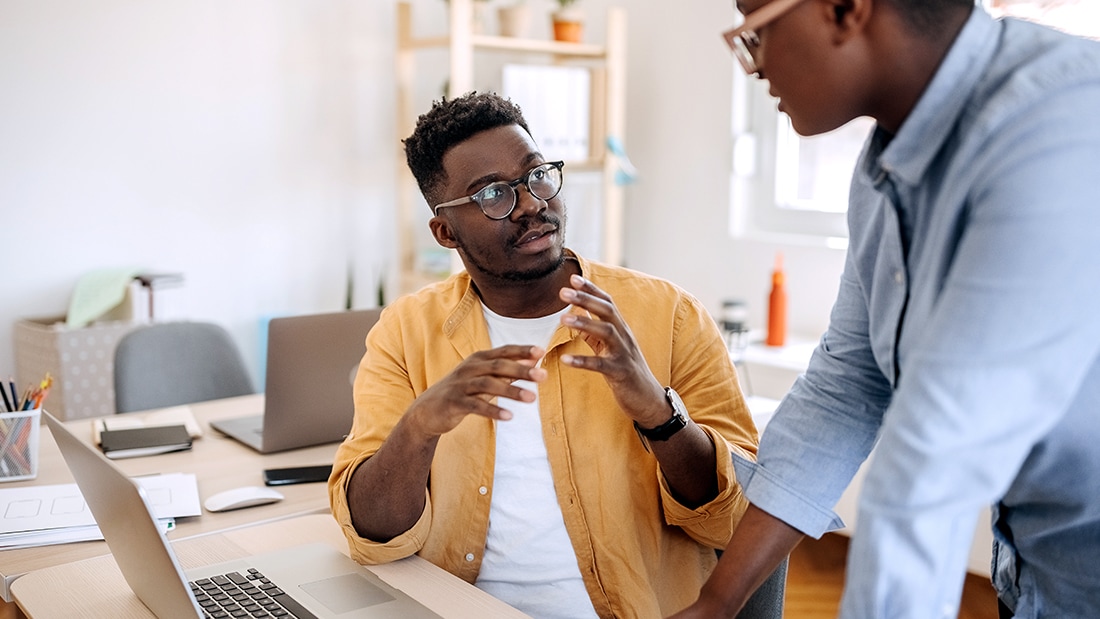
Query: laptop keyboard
236, 595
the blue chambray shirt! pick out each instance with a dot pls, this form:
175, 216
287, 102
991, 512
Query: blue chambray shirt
965, 340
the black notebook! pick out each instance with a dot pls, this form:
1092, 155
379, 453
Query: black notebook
134, 442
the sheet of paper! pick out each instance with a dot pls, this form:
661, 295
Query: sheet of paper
61, 506
67, 535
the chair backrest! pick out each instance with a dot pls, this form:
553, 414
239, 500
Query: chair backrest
172, 363
767, 602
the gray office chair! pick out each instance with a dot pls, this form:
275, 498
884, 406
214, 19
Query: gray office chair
767, 601
173, 363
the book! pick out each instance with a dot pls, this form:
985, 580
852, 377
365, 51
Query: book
164, 417
135, 442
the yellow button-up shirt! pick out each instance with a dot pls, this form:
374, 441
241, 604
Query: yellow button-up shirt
640, 552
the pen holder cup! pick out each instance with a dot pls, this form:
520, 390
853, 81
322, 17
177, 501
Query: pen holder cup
19, 436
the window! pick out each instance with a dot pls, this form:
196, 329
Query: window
785, 186
1080, 17
793, 188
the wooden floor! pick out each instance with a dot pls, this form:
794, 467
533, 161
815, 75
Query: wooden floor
815, 580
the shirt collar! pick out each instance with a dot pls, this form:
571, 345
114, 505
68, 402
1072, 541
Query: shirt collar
908, 155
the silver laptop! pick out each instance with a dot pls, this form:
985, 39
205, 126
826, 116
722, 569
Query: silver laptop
311, 365
312, 580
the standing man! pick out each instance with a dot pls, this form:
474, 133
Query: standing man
965, 339
554, 430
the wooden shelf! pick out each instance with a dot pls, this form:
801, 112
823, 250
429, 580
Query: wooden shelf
511, 44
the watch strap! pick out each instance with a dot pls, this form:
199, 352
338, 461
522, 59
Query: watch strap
669, 428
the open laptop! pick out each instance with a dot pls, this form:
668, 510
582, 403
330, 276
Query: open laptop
313, 580
311, 365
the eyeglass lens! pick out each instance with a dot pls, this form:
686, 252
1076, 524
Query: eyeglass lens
743, 45
498, 199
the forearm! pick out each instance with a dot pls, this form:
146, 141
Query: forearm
759, 544
386, 493
687, 463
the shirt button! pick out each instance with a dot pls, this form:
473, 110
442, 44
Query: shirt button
482, 490
469, 556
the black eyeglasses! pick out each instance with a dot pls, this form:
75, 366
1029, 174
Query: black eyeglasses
498, 200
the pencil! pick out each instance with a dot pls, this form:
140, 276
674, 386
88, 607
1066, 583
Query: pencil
7, 403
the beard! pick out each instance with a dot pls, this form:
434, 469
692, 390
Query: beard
501, 267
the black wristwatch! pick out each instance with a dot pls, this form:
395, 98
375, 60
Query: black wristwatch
678, 421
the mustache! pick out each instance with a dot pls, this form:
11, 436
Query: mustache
535, 221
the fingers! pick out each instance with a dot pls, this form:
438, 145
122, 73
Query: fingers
617, 355
507, 362
493, 373
471, 388
603, 327
587, 295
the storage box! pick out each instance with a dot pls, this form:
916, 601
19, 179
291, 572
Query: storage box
81, 362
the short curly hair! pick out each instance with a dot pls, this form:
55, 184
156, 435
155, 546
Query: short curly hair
449, 122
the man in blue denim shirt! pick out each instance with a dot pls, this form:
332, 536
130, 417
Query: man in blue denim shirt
965, 340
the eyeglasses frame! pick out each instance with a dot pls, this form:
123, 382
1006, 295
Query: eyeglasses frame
738, 38
524, 180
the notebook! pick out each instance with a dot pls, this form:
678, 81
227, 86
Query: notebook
318, 578
135, 442
311, 365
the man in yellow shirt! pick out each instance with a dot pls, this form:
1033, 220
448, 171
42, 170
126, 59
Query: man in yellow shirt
554, 430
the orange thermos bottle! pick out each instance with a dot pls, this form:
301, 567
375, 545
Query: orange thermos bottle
777, 306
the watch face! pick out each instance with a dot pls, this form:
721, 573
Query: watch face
678, 407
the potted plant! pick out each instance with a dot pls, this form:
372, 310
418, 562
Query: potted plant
568, 22
514, 19
480, 8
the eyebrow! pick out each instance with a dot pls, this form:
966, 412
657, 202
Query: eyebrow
489, 179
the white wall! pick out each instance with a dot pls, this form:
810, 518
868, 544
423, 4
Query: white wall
244, 144
250, 145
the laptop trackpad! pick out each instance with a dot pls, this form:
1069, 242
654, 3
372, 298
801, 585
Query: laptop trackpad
347, 592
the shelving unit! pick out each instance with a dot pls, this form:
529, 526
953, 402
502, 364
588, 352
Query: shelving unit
607, 63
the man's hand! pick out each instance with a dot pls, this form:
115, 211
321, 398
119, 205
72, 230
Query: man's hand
386, 493
687, 459
617, 356
472, 385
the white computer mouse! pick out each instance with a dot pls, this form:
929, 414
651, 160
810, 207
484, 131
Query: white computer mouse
236, 498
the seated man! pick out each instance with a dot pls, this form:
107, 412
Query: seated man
554, 430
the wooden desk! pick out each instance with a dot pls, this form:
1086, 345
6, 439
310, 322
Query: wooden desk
218, 463
94, 588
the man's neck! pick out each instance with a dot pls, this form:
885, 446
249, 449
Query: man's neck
527, 299
918, 57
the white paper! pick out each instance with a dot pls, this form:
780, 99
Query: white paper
60, 508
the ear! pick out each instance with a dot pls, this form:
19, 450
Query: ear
848, 17
442, 231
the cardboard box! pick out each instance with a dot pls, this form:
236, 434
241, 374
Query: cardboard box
81, 362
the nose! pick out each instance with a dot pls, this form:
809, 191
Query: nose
526, 203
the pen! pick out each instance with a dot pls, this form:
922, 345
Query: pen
14, 397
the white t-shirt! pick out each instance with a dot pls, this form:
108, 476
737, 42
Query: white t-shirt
529, 562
